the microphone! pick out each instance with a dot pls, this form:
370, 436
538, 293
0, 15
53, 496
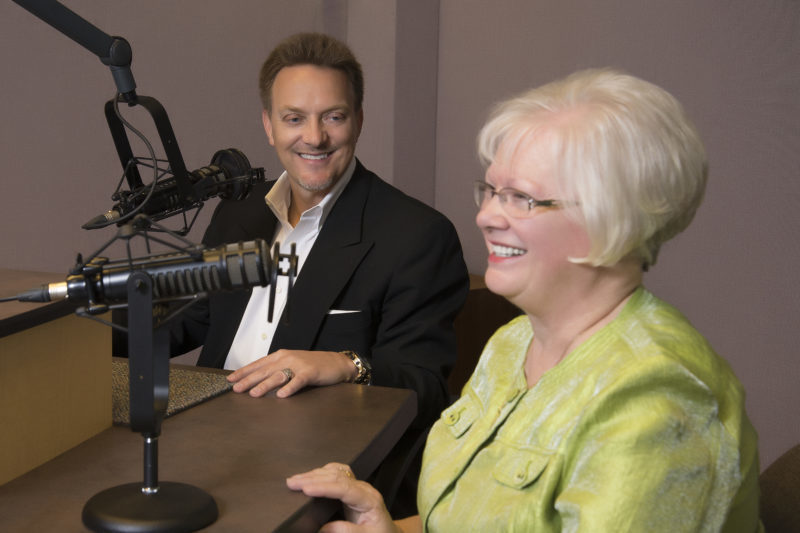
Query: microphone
229, 176
174, 275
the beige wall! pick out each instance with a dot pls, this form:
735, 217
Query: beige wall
433, 68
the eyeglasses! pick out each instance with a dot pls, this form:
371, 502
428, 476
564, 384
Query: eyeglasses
515, 203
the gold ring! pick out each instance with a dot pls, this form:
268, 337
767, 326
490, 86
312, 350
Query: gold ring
288, 373
347, 472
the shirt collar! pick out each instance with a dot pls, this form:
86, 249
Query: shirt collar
278, 198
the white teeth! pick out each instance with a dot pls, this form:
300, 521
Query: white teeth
315, 157
506, 251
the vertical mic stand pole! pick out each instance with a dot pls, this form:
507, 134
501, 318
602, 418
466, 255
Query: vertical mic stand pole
153, 506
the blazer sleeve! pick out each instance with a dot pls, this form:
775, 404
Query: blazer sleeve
415, 344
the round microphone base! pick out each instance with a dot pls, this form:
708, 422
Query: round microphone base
176, 507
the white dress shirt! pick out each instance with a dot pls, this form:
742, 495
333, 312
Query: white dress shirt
254, 336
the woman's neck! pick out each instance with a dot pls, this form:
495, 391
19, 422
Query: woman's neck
576, 319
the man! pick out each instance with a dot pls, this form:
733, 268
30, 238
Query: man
381, 275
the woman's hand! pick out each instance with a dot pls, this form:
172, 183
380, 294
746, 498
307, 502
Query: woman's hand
363, 505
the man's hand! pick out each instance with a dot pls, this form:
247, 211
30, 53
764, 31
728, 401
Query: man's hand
363, 505
307, 368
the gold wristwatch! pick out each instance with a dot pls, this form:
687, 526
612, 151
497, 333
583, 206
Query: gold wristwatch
364, 375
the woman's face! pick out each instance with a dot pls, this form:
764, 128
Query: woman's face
528, 257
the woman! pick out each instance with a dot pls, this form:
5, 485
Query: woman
602, 408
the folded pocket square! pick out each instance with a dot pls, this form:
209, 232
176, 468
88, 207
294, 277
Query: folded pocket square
342, 311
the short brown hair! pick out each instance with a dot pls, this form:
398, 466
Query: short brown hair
311, 49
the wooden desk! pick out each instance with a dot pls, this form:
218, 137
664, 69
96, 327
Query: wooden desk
55, 390
238, 449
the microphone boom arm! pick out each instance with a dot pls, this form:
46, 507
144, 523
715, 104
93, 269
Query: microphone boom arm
112, 51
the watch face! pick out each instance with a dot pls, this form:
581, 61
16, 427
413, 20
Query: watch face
364, 375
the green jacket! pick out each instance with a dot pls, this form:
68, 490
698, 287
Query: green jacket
642, 428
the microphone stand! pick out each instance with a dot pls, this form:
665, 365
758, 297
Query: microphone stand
151, 506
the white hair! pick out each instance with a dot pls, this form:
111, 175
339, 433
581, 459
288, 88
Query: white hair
624, 150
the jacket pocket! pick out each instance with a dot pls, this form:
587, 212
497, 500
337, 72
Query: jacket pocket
352, 321
519, 468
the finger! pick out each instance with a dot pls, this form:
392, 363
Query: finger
339, 526
292, 386
271, 382
264, 377
333, 481
247, 381
339, 468
330, 473
327, 486
329, 470
248, 369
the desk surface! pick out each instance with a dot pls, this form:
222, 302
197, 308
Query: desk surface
238, 449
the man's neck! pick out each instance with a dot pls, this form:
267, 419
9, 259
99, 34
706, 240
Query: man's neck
300, 201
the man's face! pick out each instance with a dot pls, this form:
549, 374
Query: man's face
313, 126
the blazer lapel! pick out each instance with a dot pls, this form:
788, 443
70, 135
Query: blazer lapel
334, 257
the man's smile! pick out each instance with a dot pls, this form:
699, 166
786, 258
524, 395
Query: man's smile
316, 157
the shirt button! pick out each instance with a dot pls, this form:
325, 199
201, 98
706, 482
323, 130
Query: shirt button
451, 418
263, 336
279, 290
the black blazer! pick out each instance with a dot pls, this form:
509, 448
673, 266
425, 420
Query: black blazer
392, 258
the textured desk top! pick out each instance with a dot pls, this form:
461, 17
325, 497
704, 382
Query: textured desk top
188, 386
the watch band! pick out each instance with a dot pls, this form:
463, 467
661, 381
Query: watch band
364, 375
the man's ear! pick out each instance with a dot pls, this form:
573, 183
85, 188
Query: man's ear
360, 121
267, 126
